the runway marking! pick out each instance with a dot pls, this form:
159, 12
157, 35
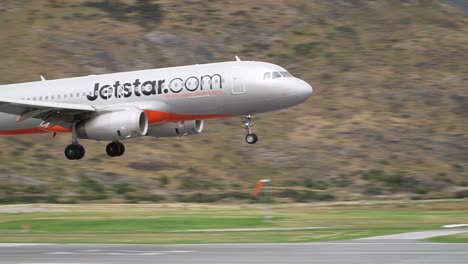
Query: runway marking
416, 235
22, 244
134, 251
106, 253
397, 252
58, 263
118, 252
358, 242
455, 226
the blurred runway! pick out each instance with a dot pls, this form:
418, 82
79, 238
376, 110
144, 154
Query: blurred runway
394, 251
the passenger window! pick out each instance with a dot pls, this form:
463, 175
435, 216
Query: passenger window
267, 76
276, 75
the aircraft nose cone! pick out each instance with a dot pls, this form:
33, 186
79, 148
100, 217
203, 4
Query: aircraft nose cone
303, 91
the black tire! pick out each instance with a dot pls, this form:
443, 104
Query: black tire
72, 152
251, 138
81, 152
121, 149
115, 149
112, 149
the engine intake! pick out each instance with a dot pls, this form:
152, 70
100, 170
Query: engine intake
114, 125
176, 129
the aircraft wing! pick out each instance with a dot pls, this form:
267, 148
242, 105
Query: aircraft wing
47, 111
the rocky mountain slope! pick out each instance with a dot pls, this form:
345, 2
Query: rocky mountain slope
388, 117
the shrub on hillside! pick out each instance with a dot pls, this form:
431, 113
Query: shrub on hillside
462, 194
154, 198
123, 188
306, 196
372, 190
142, 11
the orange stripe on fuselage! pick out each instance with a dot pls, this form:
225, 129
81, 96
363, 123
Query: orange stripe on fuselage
157, 117
56, 129
154, 117
36, 130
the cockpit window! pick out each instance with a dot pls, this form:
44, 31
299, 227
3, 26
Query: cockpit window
276, 75
286, 74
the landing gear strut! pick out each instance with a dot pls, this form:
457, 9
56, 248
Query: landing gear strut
115, 149
75, 151
250, 138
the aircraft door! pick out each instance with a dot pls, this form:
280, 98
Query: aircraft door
238, 84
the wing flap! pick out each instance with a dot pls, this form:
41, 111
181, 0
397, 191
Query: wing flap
26, 109
39, 104
32, 114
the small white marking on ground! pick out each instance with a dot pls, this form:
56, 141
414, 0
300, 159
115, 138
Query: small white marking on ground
56, 263
397, 252
293, 244
22, 244
455, 225
119, 252
416, 235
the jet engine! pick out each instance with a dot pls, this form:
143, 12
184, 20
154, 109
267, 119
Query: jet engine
116, 125
176, 129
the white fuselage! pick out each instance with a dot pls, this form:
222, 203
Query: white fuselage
184, 93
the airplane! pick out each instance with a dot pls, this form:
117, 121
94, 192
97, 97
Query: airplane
164, 102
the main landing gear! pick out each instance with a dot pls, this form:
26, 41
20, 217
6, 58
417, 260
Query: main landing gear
250, 138
115, 149
75, 151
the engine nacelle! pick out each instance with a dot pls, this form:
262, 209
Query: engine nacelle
176, 129
114, 125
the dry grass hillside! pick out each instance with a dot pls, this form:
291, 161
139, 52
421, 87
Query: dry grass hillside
388, 117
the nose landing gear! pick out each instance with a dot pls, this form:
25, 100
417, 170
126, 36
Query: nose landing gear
250, 138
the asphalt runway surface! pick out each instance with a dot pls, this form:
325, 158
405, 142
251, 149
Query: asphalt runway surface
378, 251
